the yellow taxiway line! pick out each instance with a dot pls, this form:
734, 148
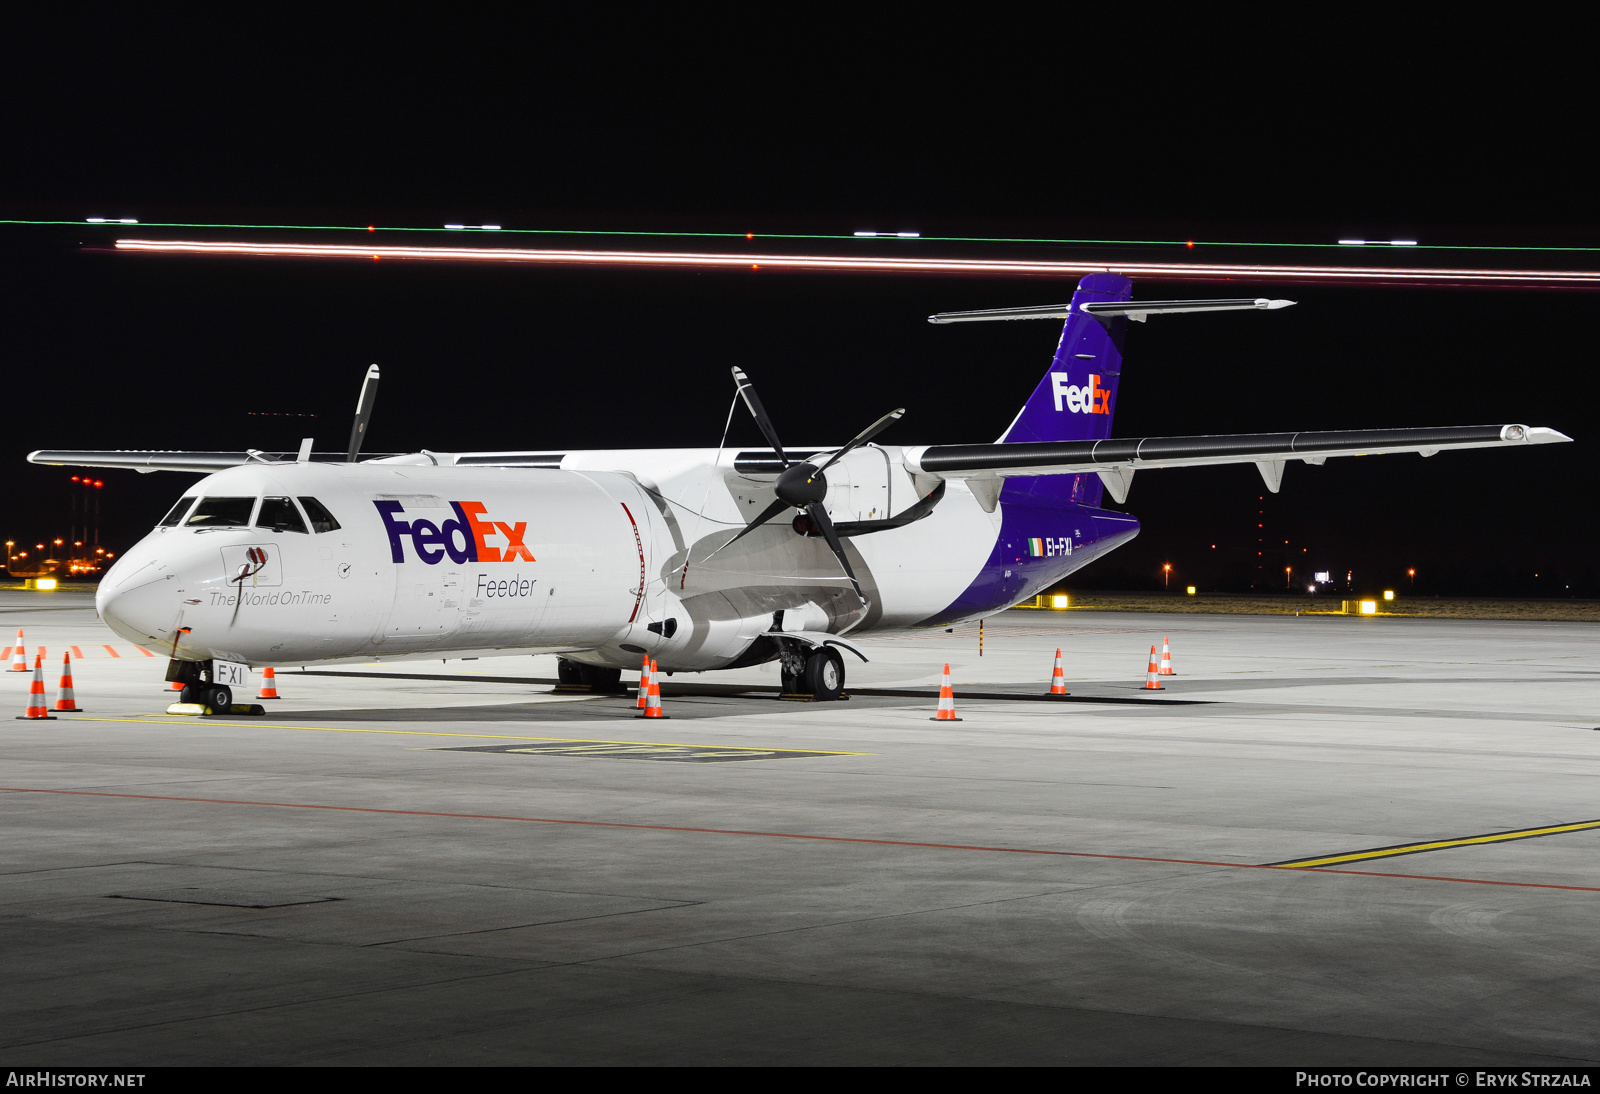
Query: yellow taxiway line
1436, 845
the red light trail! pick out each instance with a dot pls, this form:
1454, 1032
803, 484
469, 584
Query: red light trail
1421, 277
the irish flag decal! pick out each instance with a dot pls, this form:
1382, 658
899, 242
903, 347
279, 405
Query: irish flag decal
1036, 548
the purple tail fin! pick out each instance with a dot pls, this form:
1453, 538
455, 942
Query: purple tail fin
1077, 397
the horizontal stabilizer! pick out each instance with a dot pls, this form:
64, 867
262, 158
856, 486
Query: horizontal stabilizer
1137, 310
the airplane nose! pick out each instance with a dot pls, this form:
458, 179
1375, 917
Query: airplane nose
138, 599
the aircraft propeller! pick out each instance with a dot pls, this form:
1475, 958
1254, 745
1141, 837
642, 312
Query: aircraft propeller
369, 395
803, 486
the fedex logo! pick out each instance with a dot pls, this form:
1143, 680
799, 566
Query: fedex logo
1093, 399
465, 539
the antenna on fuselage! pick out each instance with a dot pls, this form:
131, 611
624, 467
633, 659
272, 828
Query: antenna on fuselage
369, 395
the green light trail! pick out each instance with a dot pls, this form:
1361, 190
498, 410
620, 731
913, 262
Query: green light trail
890, 236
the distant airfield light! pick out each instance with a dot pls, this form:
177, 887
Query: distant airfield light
1191, 590
127, 220
45, 583
866, 233
1388, 594
94, 220
1058, 600
908, 235
1369, 607
1377, 243
488, 227
456, 227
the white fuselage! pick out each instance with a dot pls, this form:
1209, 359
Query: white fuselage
592, 559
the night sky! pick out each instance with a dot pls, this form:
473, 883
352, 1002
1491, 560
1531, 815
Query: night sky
530, 125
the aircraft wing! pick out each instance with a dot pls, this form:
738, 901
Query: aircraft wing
1116, 459
203, 463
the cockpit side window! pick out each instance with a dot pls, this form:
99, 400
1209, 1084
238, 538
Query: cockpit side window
280, 515
321, 519
171, 519
222, 513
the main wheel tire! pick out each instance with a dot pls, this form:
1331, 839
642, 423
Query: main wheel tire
791, 683
825, 674
220, 698
192, 693
568, 672
600, 679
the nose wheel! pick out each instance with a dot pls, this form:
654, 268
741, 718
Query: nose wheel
215, 696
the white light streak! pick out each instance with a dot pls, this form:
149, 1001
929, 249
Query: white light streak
866, 233
456, 227
1166, 271
95, 220
127, 220
909, 235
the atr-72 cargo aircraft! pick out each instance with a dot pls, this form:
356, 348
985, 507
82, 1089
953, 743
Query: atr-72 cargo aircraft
699, 558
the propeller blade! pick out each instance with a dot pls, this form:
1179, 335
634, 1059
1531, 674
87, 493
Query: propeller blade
766, 514
865, 435
748, 391
819, 517
369, 395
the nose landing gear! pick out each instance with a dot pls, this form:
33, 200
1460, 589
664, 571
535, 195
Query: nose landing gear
215, 696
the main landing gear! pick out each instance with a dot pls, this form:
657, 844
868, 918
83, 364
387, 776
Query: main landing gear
818, 673
596, 679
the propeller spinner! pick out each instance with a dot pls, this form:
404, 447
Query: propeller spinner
803, 486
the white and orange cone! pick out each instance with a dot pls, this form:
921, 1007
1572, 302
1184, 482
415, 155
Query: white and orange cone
269, 684
19, 655
1058, 678
652, 707
1166, 657
36, 699
1151, 683
65, 699
644, 685
947, 700
176, 685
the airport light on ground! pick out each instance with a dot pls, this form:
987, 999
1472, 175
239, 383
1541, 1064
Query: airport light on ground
1191, 590
1059, 600
1369, 607
1388, 594
46, 583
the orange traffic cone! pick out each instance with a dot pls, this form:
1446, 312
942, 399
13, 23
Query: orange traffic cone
1150, 681
65, 700
947, 700
176, 685
1058, 679
269, 684
1166, 658
644, 685
19, 655
36, 699
652, 707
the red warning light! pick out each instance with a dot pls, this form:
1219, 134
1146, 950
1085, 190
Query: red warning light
749, 235
74, 478
98, 483
753, 266
1190, 243
372, 227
